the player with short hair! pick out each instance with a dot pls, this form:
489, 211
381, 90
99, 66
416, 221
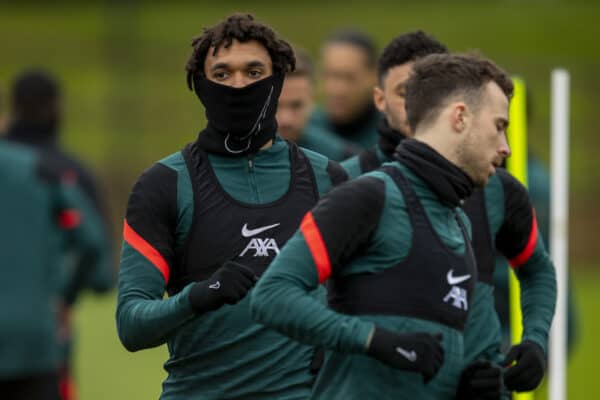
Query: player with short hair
394, 247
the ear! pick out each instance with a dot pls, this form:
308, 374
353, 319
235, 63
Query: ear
379, 99
459, 117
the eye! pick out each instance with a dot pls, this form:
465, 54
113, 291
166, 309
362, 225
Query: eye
255, 73
220, 75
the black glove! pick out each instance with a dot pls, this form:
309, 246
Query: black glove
528, 372
227, 285
418, 352
480, 380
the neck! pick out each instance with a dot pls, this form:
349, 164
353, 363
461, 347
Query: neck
34, 134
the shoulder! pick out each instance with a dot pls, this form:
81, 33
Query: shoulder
17, 158
175, 161
327, 172
352, 166
514, 191
157, 184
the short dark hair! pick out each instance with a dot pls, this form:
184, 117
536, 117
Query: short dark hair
358, 39
405, 48
34, 95
438, 77
304, 66
243, 28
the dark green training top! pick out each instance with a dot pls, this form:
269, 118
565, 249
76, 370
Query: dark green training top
364, 227
186, 217
42, 217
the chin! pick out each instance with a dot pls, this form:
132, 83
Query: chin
481, 181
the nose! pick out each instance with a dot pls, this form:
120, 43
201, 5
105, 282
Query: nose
504, 147
239, 80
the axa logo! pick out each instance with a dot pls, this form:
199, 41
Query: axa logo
457, 295
260, 246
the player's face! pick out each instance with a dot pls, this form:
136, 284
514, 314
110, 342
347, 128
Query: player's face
295, 104
239, 64
485, 146
348, 81
390, 99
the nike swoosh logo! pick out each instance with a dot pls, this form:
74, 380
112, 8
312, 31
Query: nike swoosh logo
409, 355
251, 232
455, 280
215, 286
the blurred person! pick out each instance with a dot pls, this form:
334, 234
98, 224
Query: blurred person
41, 215
36, 114
204, 223
500, 213
348, 75
394, 247
296, 102
393, 69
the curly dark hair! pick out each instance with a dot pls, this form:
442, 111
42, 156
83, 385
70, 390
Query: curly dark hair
438, 77
405, 48
243, 28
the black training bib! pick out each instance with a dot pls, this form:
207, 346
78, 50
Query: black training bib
432, 283
226, 229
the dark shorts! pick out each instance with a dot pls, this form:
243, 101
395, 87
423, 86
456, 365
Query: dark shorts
37, 387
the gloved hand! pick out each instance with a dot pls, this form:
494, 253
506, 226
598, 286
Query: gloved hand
480, 380
227, 285
528, 372
418, 352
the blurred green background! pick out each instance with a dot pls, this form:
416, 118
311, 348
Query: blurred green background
127, 105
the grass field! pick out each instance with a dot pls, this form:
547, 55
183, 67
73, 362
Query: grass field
107, 371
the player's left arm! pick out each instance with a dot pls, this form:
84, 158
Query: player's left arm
520, 241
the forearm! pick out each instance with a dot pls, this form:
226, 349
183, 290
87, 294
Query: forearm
284, 300
538, 296
144, 318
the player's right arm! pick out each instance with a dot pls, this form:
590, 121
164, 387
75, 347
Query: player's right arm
144, 317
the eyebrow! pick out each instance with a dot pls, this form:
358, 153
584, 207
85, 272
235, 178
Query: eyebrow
400, 85
250, 64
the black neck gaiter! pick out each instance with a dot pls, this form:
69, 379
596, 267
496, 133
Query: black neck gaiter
448, 181
389, 138
240, 120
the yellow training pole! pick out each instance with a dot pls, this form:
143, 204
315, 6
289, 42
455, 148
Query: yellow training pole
517, 166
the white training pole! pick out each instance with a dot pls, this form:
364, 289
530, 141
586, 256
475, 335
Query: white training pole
559, 230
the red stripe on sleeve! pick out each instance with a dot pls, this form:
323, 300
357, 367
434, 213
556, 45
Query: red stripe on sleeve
69, 219
146, 249
316, 245
522, 257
